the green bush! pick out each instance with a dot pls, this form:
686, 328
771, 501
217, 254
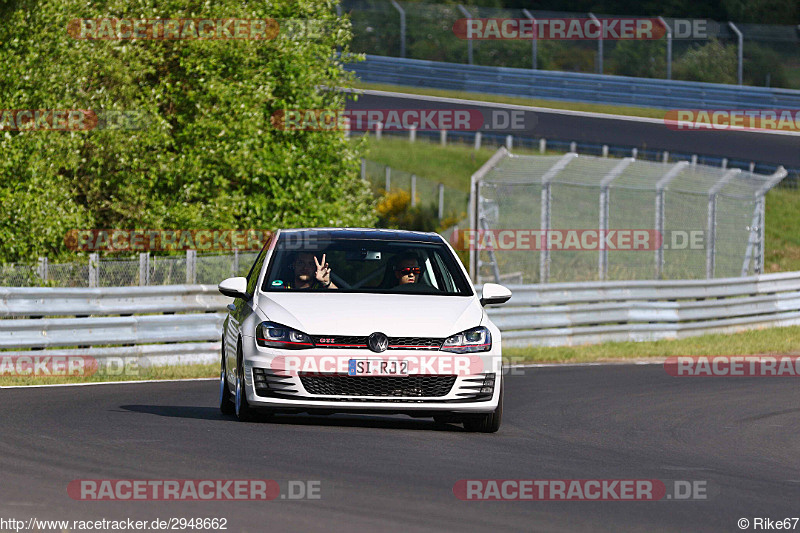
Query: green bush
209, 156
712, 62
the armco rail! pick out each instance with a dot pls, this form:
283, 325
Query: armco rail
564, 314
570, 86
81, 321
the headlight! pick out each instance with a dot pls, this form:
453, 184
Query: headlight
473, 340
272, 335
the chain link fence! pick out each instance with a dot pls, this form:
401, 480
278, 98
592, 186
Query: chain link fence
141, 270
767, 54
694, 221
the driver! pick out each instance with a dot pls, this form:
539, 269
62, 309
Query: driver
310, 273
407, 269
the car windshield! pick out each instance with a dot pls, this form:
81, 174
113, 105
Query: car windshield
364, 266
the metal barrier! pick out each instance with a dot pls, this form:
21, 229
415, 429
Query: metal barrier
571, 86
554, 314
140, 322
568, 314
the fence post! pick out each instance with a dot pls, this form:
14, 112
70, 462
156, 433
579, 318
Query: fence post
94, 266
534, 41
469, 40
542, 145
724, 162
441, 201
363, 169
660, 186
388, 173
144, 269
634, 153
573, 147
544, 222
666, 157
599, 44
605, 150
191, 264
412, 134
477, 140
443, 137
711, 223
740, 37
413, 190
235, 262
605, 184
378, 130
42, 270
694, 160
509, 142
669, 47
402, 27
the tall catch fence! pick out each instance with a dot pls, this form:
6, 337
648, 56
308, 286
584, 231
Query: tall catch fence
682, 220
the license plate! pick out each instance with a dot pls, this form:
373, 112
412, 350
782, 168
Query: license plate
377, 367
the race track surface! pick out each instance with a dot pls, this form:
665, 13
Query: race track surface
644, 134
394, 473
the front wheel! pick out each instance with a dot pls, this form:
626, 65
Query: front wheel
243, 410
225, 396
488, 423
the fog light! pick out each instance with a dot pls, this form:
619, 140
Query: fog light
487, 390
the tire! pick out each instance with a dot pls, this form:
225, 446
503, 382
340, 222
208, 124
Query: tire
488, 423
225, 397
242, 409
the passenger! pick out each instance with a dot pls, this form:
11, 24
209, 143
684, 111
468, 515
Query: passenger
310, 273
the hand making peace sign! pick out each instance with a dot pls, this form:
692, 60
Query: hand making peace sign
323, 273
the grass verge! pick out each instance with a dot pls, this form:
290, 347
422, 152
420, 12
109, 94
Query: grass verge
768, 341
631, 111
153, 372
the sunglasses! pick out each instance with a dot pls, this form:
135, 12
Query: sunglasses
409, 270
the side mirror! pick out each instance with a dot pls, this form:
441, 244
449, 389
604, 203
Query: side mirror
493, 293
235, 288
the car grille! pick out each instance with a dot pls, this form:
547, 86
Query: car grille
408, 386
360, 341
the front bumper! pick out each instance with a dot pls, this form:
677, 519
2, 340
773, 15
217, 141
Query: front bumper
454, 393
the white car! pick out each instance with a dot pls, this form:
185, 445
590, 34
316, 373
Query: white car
361, 320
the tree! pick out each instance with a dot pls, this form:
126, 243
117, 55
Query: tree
204, 154
643, 59
711, 62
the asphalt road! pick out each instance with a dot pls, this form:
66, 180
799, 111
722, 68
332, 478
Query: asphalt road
649, 134
738, 435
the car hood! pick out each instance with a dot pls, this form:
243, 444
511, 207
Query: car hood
403, 315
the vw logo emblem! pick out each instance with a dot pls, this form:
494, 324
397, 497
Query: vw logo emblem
378, 342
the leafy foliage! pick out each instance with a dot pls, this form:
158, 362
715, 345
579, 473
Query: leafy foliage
205, 157
711, 62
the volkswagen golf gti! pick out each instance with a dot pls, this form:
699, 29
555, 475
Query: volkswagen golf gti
361, 321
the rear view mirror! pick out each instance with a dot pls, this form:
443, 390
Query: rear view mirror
363, 255
493, 293
234, 287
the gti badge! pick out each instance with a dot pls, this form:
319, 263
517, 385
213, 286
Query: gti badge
378, 342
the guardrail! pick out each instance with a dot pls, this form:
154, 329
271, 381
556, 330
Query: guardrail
571, 86
565, 314
64, 322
